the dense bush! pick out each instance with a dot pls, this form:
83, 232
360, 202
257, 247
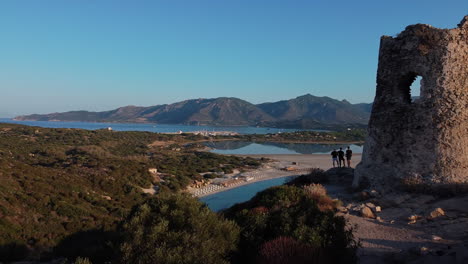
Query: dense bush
288, 211
13, 252
177, 229
94, 245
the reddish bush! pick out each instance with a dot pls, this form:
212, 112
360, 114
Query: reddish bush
283, 250
260, 210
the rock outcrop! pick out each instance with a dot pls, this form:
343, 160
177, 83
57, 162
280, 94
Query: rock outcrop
422, 141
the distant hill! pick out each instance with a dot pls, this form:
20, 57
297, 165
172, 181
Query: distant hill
218, 111
305, 111
316, 109
364, 107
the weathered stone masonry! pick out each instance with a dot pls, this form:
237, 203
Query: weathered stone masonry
426, 140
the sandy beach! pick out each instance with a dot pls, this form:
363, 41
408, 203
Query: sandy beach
322, 161
298, 163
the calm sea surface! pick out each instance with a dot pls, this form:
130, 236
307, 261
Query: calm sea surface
245, 148
159, 128
222, 200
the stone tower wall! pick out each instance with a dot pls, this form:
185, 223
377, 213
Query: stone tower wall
424, 140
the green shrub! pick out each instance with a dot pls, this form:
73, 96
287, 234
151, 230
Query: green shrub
177, 229
288, 211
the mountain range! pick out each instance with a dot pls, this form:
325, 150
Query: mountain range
305, 111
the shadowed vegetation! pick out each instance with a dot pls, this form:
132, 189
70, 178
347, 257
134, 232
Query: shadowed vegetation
307, 221
177, 229
58, 182
70, 193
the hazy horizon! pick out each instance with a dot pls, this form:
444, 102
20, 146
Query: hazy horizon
61, 56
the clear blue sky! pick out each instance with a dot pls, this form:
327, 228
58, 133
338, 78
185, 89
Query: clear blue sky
101, 54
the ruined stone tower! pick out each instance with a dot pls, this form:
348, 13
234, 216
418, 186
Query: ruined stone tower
423, 140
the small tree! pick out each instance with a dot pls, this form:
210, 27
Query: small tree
311, 233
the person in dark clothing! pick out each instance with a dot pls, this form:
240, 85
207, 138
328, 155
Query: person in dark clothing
334, 155
349, 154
341, 157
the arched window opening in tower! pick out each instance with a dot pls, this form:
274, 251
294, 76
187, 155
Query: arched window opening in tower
415, 89
409, 88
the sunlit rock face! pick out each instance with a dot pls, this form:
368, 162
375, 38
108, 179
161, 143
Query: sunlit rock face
422, 141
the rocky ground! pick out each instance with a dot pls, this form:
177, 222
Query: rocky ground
403, 227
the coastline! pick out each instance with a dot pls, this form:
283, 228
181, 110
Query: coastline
279, 141
272, 169
140, 122
244, 184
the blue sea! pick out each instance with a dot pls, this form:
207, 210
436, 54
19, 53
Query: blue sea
226, 199
159, 128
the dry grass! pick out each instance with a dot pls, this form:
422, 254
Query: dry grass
315, 190
318, 193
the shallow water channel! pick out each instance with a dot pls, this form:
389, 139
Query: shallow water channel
246, 148
225, 199
222, 200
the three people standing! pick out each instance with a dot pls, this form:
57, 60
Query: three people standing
338, 157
